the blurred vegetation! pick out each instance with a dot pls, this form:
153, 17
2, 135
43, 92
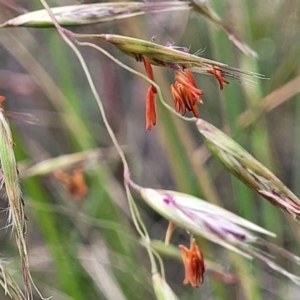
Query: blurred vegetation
87, 247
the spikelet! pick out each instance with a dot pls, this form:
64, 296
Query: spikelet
84, 14
11, 183
250, 171
217, 225
172, 57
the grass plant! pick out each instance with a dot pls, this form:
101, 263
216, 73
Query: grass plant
102, 189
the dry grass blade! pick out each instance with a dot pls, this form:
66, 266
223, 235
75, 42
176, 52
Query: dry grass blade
13, 192
270, 102
88, 158
246, 168
204, 9
75, 15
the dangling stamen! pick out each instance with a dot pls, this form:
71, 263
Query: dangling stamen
219, 75
150, 109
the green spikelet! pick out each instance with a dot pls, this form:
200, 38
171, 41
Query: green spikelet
250, 171
13, 192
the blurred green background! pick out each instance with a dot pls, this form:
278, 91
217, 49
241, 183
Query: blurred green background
89, 248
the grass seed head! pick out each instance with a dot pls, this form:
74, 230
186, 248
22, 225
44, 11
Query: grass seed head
85, 14
202, 218
13, 192
250, 171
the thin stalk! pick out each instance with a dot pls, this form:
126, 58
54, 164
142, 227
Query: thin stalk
159, 93
136, 217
